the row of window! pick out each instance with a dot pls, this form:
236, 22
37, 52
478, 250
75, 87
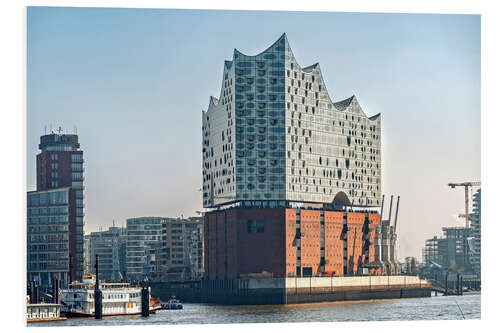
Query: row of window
47, 211
77, 158
52, 198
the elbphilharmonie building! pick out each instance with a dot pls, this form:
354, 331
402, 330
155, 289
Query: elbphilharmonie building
275, 136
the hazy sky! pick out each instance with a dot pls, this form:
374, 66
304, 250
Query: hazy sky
134, 82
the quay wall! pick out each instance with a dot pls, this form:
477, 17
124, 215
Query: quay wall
297, 290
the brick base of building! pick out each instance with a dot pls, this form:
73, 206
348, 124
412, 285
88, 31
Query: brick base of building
284, 242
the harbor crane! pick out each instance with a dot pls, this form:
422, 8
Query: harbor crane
466, 186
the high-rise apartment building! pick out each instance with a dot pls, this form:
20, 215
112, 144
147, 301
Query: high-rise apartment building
281, 162
143, 241
475, 223
274, 135
60, 169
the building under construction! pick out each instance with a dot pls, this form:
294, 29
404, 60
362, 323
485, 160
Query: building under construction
452, 251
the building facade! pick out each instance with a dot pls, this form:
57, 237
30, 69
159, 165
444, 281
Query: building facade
434, 251
281, 163
289, 242
457, 255
143, 243
475, 222
60, 170
108, 246
452, 251
275, 135
50, 214
86, 255
181, 249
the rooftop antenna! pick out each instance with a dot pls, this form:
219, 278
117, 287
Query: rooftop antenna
59, 129
74, 129
45, 129
51, 131
113, 223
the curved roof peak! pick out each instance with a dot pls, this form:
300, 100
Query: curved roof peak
213, 100
342, 105
309, 69
282, 37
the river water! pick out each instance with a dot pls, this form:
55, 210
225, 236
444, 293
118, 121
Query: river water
430, 308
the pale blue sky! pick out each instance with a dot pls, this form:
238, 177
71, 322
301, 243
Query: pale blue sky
134, 82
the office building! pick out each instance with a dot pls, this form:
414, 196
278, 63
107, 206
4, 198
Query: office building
60, 170
143, 243
281, 163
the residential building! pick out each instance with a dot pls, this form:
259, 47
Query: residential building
281, 164
108, 246
60, 170
434, 251
143, 241
181, 250
86, 255
475, 223
50, 215
457, 255
452, 251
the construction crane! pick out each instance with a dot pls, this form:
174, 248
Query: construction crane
466, 186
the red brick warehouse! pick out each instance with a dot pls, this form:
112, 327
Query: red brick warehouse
288, 242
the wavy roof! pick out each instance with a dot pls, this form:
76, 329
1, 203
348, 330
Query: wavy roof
340, 105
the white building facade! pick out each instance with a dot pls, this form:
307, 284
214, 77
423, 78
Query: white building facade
275, 136
475, 223
143, 240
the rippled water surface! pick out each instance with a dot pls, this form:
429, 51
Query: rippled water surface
433, 308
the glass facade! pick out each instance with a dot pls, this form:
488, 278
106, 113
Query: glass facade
48, 235
275, 136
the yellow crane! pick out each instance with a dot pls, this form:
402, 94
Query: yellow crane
466, 186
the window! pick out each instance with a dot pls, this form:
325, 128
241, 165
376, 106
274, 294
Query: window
255, 226
76, 158
76, 176
77, 184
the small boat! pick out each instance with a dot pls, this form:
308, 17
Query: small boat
172, 304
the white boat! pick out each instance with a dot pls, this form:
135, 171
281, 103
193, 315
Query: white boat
117, 299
